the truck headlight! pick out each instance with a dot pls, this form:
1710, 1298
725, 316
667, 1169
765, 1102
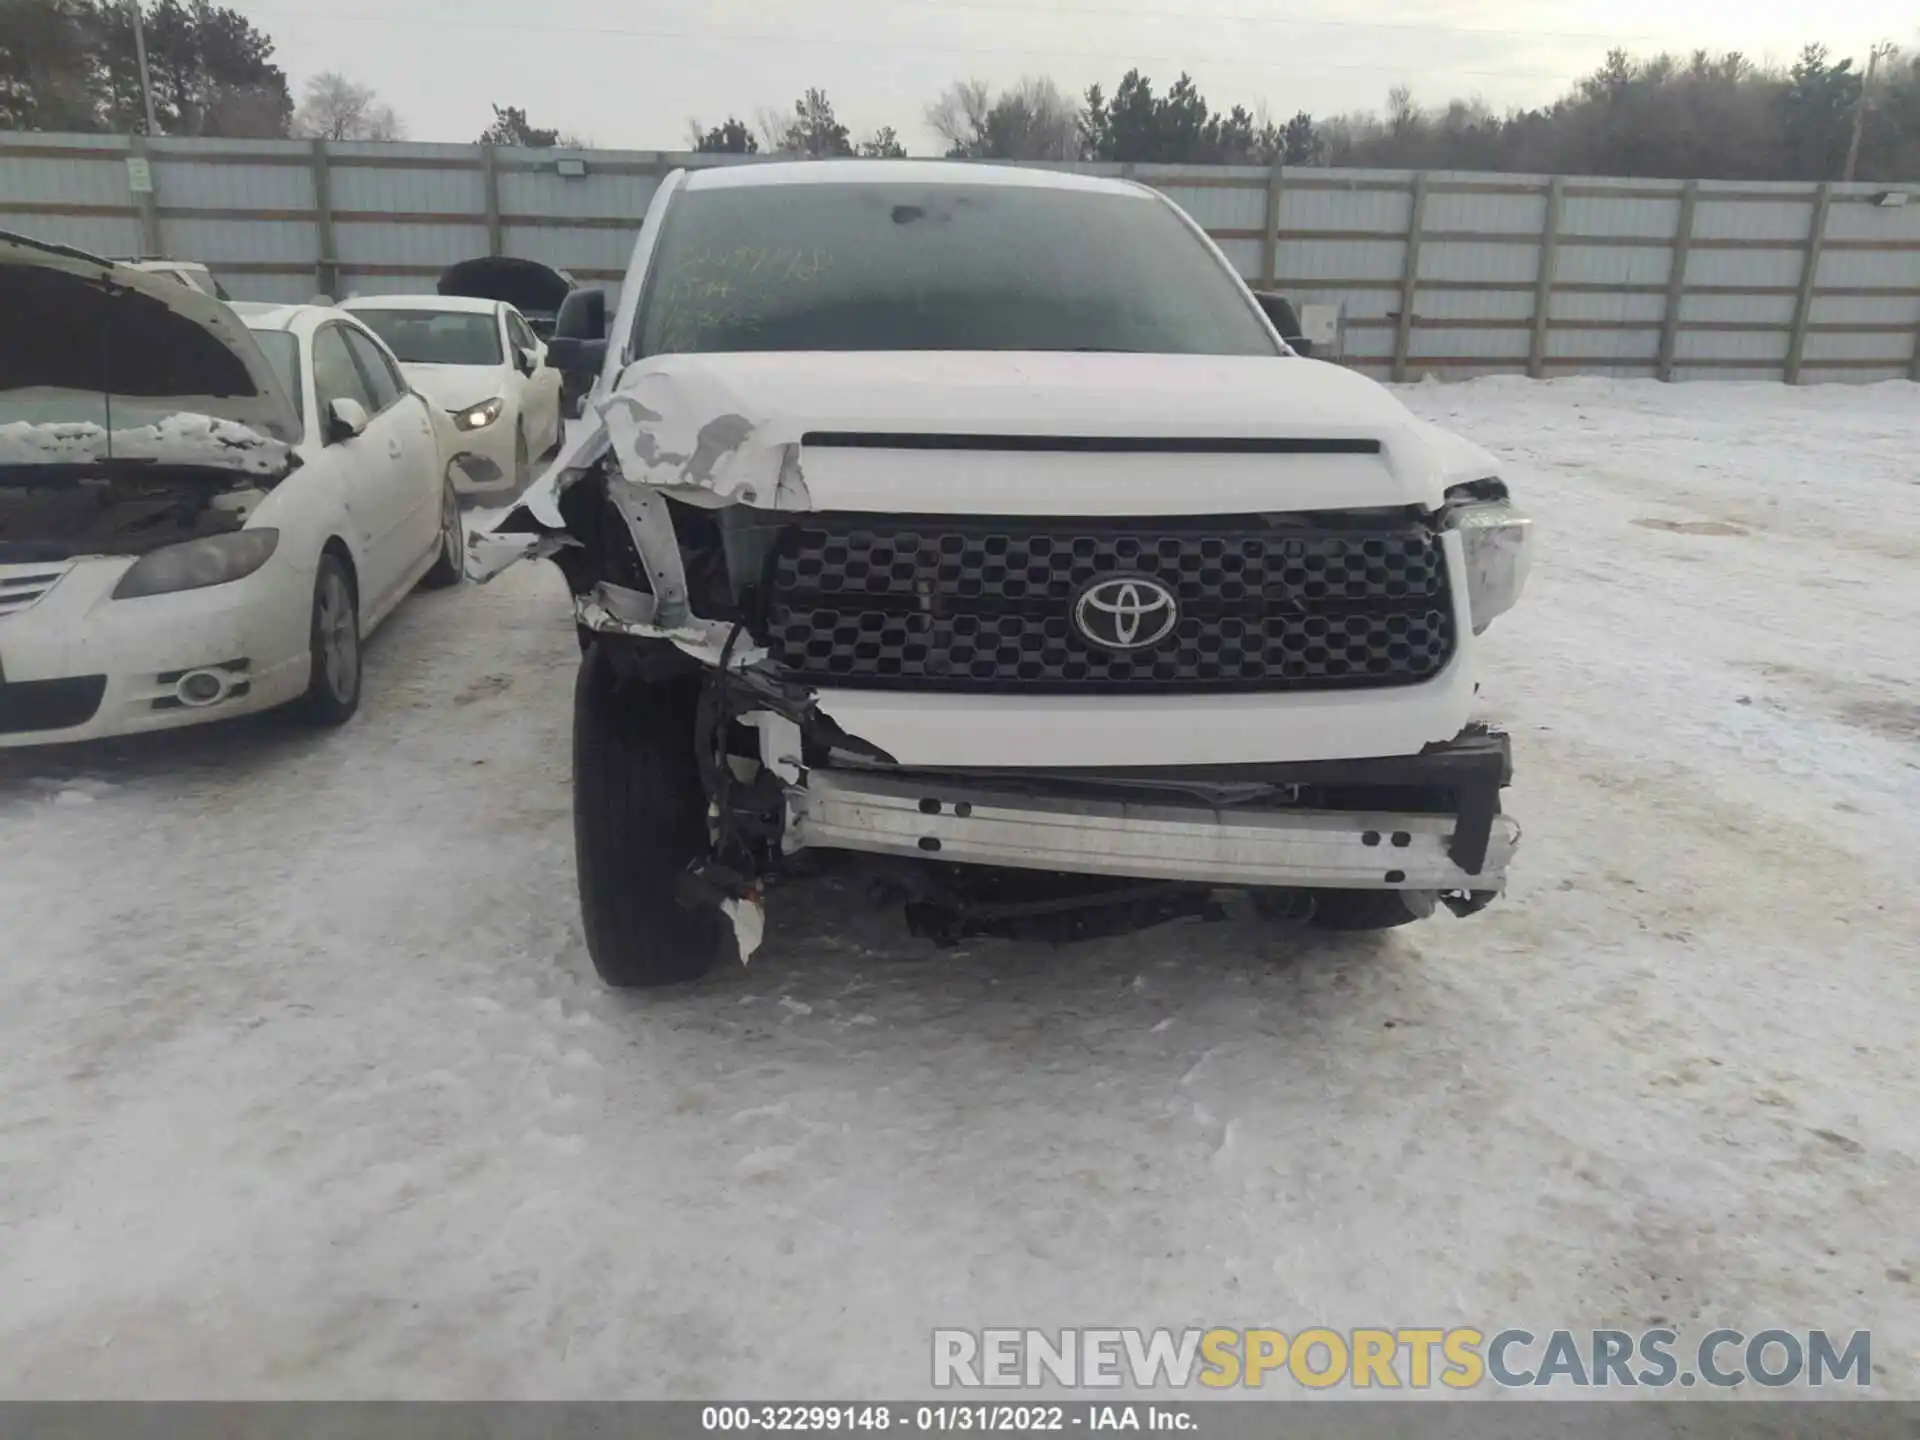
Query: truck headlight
196, 564
478, 417
1497, 540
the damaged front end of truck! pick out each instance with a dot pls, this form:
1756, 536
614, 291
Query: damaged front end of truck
698, 555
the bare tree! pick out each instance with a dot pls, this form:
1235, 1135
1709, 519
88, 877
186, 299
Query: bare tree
773, 124
1031, 121
884, 144
959, 116
334, 108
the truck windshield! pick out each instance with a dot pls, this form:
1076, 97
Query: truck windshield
877, 266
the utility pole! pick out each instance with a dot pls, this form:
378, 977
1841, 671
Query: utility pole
146, 83
1874, 57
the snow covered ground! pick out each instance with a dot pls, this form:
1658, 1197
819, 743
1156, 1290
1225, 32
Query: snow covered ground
307, 1088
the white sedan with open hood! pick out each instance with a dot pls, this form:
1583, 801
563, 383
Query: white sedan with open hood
479, 361
201, 512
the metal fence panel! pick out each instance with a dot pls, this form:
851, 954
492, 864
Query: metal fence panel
229, 245
1880, 269
1653, 219
1783, 220
1901, 310
1745, 269
1479, 212
1614, 265
1770, 310
1218, 208
277, 217
1755, 345
394, 191
1441, 343
1310, 260
1306, 207
1857, 218
1889, 346
1476, 305
1617, 306
1641, 343
384, 243
587, 255
97, 235
1479, 261
242, 188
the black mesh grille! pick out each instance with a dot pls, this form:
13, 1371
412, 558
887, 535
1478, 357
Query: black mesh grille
1292, 603
29, 705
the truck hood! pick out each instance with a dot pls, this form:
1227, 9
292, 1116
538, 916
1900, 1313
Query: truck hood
1002, 433
999, 434
102, 363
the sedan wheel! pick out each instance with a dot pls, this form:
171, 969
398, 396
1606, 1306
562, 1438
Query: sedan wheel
449, 566
333, 684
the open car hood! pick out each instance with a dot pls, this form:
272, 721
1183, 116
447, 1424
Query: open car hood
535, 290
101, 362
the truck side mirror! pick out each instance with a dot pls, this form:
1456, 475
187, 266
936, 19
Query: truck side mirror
1280, 311
579, 344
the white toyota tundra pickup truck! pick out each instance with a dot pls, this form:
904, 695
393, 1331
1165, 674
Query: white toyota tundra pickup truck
978, 520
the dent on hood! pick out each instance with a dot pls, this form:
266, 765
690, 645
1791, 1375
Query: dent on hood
669, 429
683, 431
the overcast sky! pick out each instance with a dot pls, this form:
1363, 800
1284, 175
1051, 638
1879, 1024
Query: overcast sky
631, 75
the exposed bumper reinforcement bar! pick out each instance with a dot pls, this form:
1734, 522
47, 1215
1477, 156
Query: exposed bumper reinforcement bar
975, 825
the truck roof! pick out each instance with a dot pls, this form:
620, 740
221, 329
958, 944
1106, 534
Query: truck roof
909, 172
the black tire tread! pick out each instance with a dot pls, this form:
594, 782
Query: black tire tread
1363, 910
640, 817
318, 706
445, 573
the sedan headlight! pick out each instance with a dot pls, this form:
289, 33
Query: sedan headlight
1497, 538
196, 564
478, 417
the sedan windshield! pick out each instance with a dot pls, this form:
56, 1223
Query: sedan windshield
436, 337
879, 266
283, 353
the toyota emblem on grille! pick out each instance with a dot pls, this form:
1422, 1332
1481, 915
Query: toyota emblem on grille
1125, 612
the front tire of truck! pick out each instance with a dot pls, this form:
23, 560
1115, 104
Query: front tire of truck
1369, 909
639, 820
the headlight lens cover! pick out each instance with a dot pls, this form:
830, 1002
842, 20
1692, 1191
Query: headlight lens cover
478, 417
196, 564
1497, 539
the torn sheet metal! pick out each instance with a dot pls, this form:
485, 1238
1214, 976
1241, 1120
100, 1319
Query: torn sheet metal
658, 546
489, 553
781, 747
749, 920
676, 426
703, 640
538, 508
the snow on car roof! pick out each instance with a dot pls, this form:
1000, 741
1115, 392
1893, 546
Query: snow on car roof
460, 303
910, 172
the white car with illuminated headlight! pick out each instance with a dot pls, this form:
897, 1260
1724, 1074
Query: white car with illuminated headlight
479, 361
203, 509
